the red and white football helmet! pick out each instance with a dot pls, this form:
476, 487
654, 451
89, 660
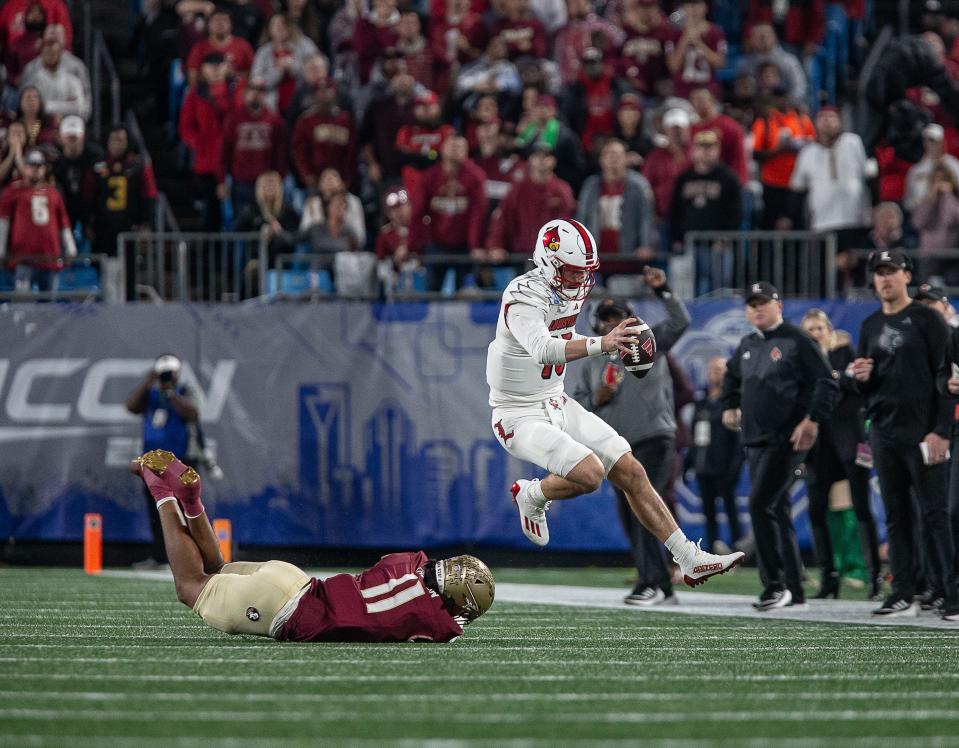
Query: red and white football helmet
566, 252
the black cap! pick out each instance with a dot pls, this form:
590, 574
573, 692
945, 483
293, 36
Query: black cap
925, 292
894, 258
762, 290
610, 307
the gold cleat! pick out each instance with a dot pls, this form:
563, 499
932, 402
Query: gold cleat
158, 460
189, 477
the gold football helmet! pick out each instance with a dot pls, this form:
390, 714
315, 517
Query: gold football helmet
466, 584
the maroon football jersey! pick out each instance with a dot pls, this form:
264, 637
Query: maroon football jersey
37, 218
388, 603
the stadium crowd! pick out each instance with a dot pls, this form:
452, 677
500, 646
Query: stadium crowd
457, 127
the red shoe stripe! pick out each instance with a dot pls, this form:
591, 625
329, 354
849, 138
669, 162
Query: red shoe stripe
526, 522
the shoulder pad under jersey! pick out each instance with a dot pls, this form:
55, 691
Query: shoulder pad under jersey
531, 288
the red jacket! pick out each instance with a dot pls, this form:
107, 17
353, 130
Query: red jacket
322, 140
419, 147
201, 124
527, 206
238, 53
36, 219
369, 41
662, 169
804, 22
12, 12
524, 38
390, 239
449, 209
252, 144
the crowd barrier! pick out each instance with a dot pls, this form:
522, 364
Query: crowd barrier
340, 424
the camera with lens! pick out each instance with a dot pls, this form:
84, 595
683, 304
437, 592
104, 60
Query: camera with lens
166, 377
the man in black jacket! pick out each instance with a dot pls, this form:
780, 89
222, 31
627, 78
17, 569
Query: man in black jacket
778, 388
907, 62
902, 353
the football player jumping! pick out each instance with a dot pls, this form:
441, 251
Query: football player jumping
404, 597
535, 421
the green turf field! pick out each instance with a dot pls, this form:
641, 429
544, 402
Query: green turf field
118, 662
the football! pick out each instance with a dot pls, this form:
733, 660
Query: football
643, 352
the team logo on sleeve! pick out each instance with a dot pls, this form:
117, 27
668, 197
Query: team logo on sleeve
502, 433
551, 238
253, 614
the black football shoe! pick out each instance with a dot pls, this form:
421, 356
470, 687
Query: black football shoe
897, 607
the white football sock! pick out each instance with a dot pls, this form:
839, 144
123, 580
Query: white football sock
679, 546
535, 492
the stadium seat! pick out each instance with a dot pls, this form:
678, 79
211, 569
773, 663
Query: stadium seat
80, 278
298, 282
502, 277
6, 280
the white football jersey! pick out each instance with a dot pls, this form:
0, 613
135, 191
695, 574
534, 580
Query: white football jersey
514, 376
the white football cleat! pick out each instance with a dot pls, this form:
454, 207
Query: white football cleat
701, 565
532, 514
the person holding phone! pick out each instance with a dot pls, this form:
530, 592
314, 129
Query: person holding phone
168, 409
900, 360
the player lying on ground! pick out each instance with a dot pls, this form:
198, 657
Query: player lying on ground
404, 597
535, 421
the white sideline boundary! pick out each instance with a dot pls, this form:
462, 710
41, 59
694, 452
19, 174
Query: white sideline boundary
849, 612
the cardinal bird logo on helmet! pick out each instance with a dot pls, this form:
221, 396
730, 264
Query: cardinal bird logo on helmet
551, 238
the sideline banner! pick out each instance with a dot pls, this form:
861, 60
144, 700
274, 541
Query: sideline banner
339, 424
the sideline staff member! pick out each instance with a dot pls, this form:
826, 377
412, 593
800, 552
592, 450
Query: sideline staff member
778, 388
902, 351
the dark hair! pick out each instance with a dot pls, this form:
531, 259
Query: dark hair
41, 113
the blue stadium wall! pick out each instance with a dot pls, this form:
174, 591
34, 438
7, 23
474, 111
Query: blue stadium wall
339, 424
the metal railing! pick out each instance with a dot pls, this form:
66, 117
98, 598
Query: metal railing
798, 263
86, 277
195, 266
103, 69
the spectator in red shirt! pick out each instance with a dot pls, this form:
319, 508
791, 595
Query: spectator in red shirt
254, 141
205, 109
236, 51
666, 162
419, 144
449, 210
27, 47
698, 53
524, 34
324, 136
15, 143
13, 19
495, 157
528, 205
642, 60
456, 39
732, 139
412, 44
589, 103
582, 29
35, 231
373, 33
799, 23
382, 121
393, 242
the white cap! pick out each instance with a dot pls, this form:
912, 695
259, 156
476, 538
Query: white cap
676, 118
933, 132
72, 125
166, 363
